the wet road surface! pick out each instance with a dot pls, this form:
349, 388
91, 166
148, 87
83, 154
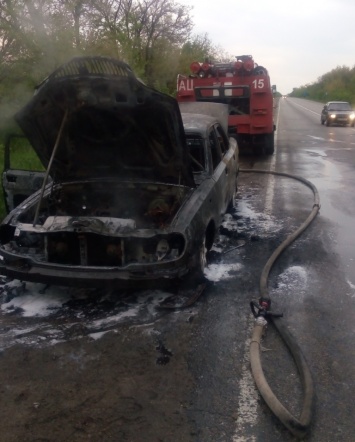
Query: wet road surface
85, 365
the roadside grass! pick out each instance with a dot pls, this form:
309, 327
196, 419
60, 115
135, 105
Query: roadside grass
22, 157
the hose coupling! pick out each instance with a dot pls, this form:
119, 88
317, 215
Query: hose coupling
262, 308
261, 321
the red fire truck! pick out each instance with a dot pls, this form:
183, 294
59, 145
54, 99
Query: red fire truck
245, 87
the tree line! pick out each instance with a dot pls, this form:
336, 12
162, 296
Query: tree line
153, 36
336, 85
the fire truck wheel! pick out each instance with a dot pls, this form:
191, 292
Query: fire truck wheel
269, 144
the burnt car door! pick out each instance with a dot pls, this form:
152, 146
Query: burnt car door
17, 183
223, 163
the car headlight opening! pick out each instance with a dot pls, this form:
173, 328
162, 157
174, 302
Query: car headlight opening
162, 249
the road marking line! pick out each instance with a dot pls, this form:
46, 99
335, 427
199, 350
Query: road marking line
330, 140
269, 197
248, 397
309, 110
248, 394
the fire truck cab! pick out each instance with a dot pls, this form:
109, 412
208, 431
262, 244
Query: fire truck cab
246, 88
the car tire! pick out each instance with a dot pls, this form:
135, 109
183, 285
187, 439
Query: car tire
327, 122
321, 121
231, 204
269, 144
352, 124
202, 258
201, 261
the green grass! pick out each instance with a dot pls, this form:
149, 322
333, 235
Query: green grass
23, 157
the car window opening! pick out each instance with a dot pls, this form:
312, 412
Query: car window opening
215, 150
197, 153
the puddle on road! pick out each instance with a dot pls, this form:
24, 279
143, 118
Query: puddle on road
331, 140
316, 153
334, 206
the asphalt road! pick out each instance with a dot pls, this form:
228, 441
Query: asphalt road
318, 302
90, 366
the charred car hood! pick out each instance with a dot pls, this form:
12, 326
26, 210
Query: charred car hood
92, 118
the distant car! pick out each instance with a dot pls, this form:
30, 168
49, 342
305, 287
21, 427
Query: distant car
129, 197
337, 112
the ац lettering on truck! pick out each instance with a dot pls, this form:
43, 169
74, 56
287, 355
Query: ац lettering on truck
246, 88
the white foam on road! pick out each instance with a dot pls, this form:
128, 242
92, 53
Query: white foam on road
36, 304
218, 272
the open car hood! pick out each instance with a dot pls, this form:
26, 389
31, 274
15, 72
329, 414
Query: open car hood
92, 118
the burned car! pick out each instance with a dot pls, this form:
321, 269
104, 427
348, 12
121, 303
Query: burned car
129, 197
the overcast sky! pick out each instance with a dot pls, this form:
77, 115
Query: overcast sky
296, 42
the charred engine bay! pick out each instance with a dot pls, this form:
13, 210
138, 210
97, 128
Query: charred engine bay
74, 213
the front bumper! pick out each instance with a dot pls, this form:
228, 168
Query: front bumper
341, 119
148, 276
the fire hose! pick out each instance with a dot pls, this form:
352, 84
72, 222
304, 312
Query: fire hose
262, 312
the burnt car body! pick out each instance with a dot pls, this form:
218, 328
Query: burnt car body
127, 198
337, 112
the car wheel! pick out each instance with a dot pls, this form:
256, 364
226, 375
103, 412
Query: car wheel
259, 150
327, 122
321, 121
269, 144
231, 204
202, 257
352, 124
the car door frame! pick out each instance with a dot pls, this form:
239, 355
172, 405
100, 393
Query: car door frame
18, 184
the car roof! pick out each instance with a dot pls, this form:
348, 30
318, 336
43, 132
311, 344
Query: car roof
337, 102
218, 111
197, 122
